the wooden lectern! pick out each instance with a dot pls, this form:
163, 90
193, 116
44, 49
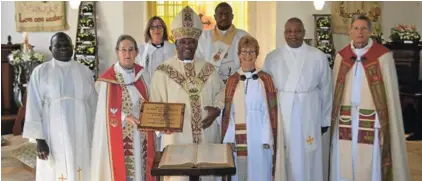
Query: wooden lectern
193, 173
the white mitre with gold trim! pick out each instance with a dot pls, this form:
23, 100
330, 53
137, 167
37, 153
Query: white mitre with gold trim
186, 24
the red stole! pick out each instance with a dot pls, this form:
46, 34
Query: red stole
271, 95
373, 73
117, 149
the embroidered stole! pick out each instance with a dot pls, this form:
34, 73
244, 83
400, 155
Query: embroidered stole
374, 77
121, 138
227, 38
192, 84
271, 97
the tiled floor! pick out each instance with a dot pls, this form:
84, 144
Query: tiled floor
12, 170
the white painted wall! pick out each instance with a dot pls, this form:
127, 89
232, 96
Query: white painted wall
262, 26
110, 27
113, 18
300, 9
393, 12
38, 39
266, 23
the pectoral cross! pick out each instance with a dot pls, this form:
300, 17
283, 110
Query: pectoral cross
62, 178
79, 174
310, 140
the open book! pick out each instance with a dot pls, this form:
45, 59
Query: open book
197, 156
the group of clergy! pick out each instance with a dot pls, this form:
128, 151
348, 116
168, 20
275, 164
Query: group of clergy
274, 118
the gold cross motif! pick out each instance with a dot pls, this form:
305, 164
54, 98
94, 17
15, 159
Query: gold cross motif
310, 140
79, 174
62, 178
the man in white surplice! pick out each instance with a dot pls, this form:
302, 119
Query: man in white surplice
219, 45
303, 78
60, 114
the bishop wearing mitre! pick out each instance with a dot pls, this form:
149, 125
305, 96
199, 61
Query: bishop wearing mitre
193, 82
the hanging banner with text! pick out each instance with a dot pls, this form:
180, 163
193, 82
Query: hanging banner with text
40, 16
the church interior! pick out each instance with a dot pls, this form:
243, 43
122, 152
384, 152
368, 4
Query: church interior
95, 26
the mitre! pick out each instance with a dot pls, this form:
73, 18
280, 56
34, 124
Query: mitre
186, 24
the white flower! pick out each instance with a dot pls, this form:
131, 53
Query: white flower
39, 57
26, 57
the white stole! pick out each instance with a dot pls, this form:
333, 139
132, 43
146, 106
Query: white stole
358, 72
288, 95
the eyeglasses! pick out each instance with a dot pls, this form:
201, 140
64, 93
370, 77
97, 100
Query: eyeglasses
248, 52
159, 27
127, 50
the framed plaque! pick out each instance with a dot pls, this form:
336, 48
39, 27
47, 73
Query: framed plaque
158, 116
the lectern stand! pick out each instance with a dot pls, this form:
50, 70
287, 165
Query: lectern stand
193, 173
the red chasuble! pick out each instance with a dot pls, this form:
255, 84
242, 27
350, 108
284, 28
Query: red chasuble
120, 145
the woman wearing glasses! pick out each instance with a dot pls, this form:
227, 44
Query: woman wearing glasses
250, 119
157, 48
120, 151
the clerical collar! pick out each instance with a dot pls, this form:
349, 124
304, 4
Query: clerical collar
222, 32
249, 75
158, 45
298, 49
62, 63
131, 70
186, 61
367, 46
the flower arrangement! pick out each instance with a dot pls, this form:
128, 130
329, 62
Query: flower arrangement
23, 62
86, 36
87, 50
87, 8
89, 63
326, 49
86, 22
404, 33
323, 22
323, 36
19, 57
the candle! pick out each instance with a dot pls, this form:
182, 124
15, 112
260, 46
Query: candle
25, 35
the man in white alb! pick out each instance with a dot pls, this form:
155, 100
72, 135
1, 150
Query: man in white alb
303, 78
60, 114
219, 45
